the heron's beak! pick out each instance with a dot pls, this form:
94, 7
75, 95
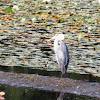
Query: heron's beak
50, 40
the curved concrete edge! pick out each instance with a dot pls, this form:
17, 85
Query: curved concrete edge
64, 85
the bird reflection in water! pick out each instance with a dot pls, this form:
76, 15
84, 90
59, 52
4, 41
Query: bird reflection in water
62, 96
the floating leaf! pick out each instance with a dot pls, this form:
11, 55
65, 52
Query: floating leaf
43, 16
87, 36
23, 20
33, 19
9, 10
15, 7
9, 18
79, 36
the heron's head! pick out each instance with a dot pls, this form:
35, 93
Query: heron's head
58, 37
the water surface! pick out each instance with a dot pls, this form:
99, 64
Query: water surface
27, 70
24, 93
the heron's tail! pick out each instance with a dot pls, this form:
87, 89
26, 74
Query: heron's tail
66, 66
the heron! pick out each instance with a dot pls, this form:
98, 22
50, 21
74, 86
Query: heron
61, 52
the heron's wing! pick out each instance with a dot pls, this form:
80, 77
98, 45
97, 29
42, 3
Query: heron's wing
64, 49
62, 55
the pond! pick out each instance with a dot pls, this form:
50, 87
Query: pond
24, 33
28, 70
25, 93
24, 42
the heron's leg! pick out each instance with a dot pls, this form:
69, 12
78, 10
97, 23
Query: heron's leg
61, 75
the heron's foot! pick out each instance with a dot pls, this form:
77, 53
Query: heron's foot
59, 80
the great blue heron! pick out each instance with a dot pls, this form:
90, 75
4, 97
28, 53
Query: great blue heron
61, 52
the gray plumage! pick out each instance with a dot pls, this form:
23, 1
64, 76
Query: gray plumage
61, 52
62, 56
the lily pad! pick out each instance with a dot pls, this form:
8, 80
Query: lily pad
9, 10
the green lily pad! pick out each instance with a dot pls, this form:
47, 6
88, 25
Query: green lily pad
9, 10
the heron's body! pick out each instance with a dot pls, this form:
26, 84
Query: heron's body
61, 51
62, 56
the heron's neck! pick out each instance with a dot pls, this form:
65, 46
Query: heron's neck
55, 42
56, 46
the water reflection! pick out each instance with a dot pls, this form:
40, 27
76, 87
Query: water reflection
24, 44
25, 93
27, 70
62, 96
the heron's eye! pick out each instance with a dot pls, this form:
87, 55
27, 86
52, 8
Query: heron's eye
58, 43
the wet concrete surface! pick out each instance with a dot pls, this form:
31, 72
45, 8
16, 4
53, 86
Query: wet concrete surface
64, 85
28, 70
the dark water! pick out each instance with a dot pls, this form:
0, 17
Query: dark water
27, 70
24, 93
